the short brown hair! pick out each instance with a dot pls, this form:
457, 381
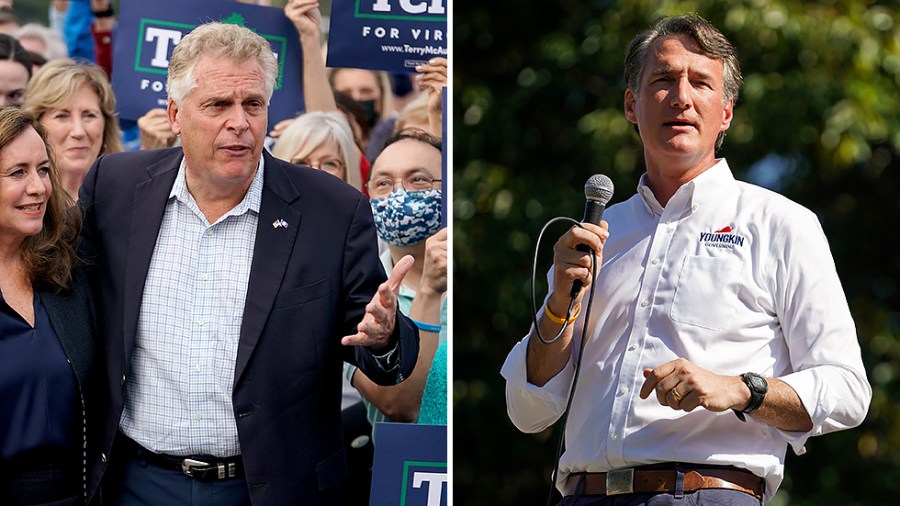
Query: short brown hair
49, 256
712, 43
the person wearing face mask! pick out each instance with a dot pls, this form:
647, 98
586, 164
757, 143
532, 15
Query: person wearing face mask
372, 91
405, 195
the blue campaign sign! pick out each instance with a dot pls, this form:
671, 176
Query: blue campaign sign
390, 35
410, 467
147, 32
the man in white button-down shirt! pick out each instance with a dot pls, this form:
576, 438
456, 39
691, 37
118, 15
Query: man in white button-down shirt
720, 332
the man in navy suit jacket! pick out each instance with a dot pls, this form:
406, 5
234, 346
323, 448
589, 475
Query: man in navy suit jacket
225, 280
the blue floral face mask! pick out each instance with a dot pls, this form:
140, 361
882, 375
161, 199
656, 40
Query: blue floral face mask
403, 218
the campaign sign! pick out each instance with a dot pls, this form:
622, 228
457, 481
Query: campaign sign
147, 33
410, 467
390, 35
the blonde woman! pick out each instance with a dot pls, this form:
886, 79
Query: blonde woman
75, 103
324, 141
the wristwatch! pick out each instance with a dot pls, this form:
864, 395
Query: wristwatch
758, 389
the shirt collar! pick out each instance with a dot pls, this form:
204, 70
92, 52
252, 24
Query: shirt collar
694, 193
250, 202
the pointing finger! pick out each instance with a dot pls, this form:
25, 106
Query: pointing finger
400, 269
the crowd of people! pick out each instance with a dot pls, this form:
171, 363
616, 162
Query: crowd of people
179, 292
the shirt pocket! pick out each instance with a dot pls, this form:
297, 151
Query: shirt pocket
706, 294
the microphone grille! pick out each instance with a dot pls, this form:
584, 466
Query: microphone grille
599, 187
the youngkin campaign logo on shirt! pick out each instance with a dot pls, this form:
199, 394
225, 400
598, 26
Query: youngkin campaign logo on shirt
725, 237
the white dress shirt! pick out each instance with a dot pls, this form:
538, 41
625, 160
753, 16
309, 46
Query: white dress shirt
178, 397
730, 276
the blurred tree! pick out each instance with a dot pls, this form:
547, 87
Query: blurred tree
538, 108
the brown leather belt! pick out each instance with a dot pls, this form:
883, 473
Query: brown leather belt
627, 481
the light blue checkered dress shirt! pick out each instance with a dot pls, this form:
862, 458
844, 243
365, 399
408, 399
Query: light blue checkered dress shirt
178, 394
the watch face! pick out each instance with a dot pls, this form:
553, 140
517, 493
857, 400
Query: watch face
758, 383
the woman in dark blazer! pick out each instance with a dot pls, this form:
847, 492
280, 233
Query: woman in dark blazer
47, 354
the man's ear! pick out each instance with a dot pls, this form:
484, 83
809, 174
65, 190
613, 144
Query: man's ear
172, 111
630, 103
728, 116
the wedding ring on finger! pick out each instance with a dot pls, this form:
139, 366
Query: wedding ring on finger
676, 395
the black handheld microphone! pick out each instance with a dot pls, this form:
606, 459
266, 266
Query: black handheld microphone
598, 190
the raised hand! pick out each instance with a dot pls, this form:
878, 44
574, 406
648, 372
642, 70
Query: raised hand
306, 17
376, 327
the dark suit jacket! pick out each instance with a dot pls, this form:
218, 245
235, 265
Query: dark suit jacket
309, 284
71, 313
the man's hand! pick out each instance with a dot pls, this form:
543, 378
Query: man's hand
682, 385
571, 264
544, 361
376, 327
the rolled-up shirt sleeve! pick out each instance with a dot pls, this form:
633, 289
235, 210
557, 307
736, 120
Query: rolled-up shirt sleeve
532, 408
827, 371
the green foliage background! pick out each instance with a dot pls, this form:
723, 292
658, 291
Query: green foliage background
538, 108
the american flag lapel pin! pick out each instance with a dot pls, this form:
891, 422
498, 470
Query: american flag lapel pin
279, 223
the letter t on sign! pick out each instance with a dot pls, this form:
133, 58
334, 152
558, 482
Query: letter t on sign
434, 493
163, 39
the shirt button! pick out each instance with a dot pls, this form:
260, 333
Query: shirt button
206, 277
123, 379
668, 222
655, 261
202, 323
632, 347
197, 369
623, 390
103, 458
645, 303
615, 437
198, 418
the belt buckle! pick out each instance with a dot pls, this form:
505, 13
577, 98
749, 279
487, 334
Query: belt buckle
226, 470
620, 481
187, 466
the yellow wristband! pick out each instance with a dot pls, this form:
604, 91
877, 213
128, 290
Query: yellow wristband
560, 321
